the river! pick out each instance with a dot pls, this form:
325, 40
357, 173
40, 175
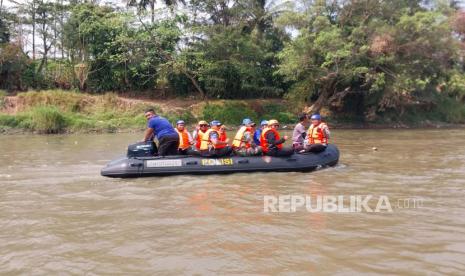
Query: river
59, 215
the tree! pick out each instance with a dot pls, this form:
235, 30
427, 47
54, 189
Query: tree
44, 20
233, 48
4, 29
366, 57
13, 65
144, 4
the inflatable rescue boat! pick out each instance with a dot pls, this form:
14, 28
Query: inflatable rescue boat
140, 162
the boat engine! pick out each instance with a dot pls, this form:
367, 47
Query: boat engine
142, 149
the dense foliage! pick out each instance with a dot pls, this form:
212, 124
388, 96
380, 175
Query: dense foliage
359, 59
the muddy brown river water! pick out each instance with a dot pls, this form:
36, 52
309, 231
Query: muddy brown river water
58, 215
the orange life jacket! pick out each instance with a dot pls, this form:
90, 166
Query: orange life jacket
222, 137
316, 134
183, 139
264, 143
198, 140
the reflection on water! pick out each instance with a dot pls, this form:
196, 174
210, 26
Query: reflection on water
58, 214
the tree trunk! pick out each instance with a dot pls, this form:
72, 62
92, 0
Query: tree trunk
196, 85
152, 10
61, 28
328, 91
33, 30
55, 34
43, 62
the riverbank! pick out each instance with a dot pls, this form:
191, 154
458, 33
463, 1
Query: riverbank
58, 111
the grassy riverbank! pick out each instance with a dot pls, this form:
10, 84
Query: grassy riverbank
58, 111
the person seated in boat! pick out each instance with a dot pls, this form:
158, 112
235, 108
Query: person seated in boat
271, 141
211, 145
317, 135
199, 131
258, 132
161, 128
185, 138
299, 133
223, 136
243, 143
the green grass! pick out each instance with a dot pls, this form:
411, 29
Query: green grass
278, 112
63, 100
56, 111
234, 112
63, 111
47, 119
229, 113
9, 120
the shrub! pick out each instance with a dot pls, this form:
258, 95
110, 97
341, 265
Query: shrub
451, 110
76, 122
8, 120
279, 112
47, 119
230, 112
65, 100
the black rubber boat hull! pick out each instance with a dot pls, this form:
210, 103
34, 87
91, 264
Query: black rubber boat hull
176, 165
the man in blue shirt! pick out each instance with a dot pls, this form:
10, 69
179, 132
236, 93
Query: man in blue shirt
258, 132
168, 138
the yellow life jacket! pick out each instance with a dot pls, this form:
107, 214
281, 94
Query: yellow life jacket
206, 142
317, 135
198, 140
239, 138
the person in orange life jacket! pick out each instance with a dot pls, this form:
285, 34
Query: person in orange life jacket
201, 128
317, 135
185, 138
223, 135
159, 127
211, 145
272, 143
243, 143
299, 134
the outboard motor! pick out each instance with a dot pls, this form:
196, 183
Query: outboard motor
142, 149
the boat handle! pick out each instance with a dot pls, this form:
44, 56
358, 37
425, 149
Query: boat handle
191, 163
292, 159
243, 161
135, 164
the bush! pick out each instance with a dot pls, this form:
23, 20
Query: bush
8, 120
13, 64
179, 114
230, 112
47, 119
279, 112
65, 100
77, 122
451, 110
